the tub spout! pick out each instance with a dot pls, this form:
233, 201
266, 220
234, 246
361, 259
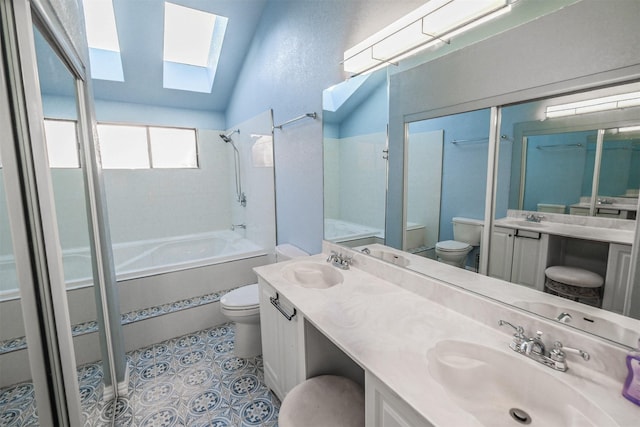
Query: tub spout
234, 226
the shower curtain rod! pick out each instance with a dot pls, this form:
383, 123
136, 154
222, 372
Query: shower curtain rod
559, 147
483, 140
304, 116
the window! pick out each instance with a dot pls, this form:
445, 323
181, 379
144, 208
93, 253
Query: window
102, 38
192, 45
62, 143
145, 147
173, 148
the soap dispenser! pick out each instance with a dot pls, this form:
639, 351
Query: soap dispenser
631, 389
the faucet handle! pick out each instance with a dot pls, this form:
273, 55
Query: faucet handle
519, 329
518, 338
561, 349
559, 356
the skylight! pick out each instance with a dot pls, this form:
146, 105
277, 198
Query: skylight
102, 37
192, 45
187, 35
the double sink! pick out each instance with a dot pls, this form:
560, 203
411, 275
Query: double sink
495, 386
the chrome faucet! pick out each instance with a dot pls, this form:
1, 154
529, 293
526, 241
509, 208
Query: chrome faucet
534, 349
564, 317
534, 345
533, 217
234, 226
341, 261
603, 201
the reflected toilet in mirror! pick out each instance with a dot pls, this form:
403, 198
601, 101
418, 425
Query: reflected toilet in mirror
467, 233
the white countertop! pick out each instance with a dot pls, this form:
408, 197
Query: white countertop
616, 206
577, 231
388, 331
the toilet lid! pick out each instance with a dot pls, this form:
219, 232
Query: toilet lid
452, 246
242, 298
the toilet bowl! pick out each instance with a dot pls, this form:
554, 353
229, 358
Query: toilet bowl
453, 252
242, 306
466, 233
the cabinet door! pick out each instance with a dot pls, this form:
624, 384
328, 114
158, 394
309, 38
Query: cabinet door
616, 280
383, 408
529, 259
280, 350
501, 253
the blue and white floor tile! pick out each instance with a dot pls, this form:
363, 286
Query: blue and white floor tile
193, 380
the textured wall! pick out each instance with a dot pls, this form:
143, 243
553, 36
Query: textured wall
70, 15
295, 55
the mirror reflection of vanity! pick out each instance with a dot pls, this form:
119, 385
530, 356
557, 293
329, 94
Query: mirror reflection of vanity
502, 159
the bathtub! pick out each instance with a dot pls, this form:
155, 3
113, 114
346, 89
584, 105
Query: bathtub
144, 258
149, 258
165, 289
350, 233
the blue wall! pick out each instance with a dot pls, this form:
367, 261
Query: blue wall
295, 55
556, 174
371, 116
464, 166
124, 112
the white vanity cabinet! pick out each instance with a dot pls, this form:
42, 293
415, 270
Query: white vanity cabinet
529, 258
501, 256
615, 282
384, 408
281, 330
519, 256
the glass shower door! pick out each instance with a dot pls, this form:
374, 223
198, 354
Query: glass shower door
51, 202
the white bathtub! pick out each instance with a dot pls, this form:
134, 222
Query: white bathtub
145, 258
337, 230
162, 256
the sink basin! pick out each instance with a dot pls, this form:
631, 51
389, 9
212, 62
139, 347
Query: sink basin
502, 389
389, 256
583, 321
312, 275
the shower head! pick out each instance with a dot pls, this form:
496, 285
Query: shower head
227, 137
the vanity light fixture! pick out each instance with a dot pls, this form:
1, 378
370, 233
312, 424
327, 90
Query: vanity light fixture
605, 103
434, 23
629, 129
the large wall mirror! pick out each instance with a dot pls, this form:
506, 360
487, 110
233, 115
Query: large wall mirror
583, 167
441, 154
355, 115
557, 165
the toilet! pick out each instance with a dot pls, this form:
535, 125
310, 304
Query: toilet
242, 306
466, 233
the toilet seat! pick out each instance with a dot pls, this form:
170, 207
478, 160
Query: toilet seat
244, 298
453, 246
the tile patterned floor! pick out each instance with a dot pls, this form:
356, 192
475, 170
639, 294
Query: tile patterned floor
193, 380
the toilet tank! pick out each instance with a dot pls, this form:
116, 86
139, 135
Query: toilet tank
467, 230
287, 251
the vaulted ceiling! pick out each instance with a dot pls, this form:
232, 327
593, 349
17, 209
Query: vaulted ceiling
140, 32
